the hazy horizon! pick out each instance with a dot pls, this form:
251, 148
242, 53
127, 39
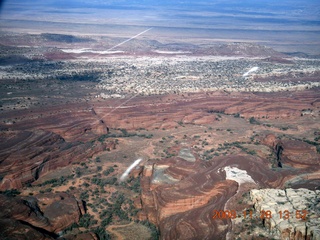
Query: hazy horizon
274, 22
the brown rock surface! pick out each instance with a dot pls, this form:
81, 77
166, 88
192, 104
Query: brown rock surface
182, 205
297, 153
183, 209
84, 236
26, 156
270, 140
53, 146
43, 140
61, 209
13, 229
45, 213
152, 112
73, 122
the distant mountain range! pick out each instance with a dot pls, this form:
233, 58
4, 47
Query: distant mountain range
290, 25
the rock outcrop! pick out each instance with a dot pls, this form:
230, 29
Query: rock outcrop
14, 229
183, 207
300, 154
180, 196
26, 156
295, 213
168, 111
42, 216
37, 143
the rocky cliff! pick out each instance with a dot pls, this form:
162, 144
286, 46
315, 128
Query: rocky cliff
26, 156
42, 216
295, 213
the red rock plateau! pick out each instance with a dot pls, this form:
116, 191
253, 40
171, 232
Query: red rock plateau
198, 108
42, 141
37, 142
184, 209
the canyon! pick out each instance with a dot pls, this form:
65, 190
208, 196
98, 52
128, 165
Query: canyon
178, 191
208, 139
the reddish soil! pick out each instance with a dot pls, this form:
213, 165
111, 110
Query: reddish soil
43, 140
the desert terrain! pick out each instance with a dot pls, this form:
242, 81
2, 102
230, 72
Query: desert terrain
73, 119
110, 130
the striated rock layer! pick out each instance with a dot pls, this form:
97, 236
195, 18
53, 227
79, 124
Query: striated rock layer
199, 108
42, 140
26, 156
183, 207
182, 197
41, 216
35, 142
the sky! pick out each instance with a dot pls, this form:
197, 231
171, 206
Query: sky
273, 21
271, 14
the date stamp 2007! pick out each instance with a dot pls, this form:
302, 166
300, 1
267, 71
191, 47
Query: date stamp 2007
264, 214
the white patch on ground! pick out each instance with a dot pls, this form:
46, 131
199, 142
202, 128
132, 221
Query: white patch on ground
160, 177
171, 52
88, 50
186, 154
238, 175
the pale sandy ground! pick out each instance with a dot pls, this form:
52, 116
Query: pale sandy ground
111, 229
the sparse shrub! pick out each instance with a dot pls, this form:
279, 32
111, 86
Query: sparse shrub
252, 152
84, 195
155, 234
70, 228
105, 222
10, 192
108, 171
252, 120
102, 233
87, 220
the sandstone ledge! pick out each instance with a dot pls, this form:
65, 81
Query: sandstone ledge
292, 203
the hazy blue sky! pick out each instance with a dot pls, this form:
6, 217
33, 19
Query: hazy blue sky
287, 25
221, 13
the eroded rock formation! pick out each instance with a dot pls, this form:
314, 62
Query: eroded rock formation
180, 196
294, 212
42, 140
42, 216
26, 156
167, 111
179, 193
183, 208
